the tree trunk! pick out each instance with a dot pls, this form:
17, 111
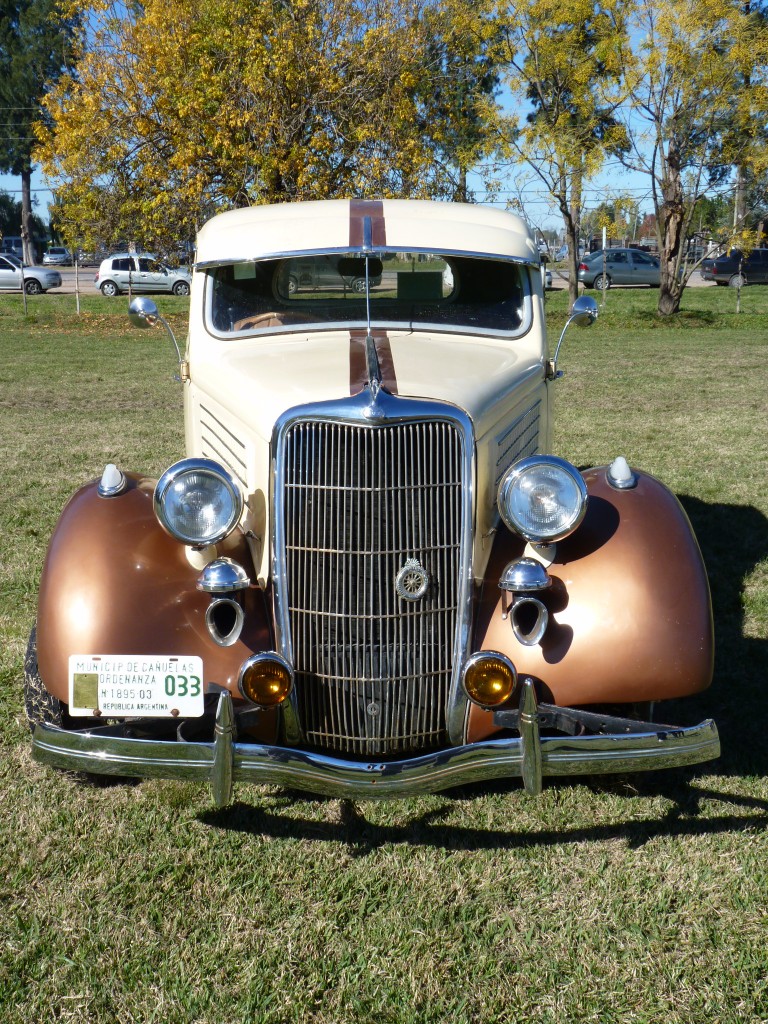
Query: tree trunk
572, 218
572, 238
670, 216
28, 254
740, 198
669, 301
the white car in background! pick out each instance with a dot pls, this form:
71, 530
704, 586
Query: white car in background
36, 279
140, 273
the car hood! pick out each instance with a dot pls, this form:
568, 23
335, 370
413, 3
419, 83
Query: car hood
261, 378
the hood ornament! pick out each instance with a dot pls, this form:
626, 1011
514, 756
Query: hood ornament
412, 581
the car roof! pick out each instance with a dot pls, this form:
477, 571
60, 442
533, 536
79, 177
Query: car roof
127, 255
616, 248
338, 225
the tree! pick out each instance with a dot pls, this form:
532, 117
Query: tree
683, 84
35, 47
745, 135
225, 104
563, 66
458, 94
11, 217
619, 215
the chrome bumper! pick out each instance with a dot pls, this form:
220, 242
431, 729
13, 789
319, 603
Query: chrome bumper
529, 756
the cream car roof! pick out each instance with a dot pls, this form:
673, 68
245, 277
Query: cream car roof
258, 232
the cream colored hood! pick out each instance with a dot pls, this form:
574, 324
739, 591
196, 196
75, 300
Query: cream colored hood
256, 380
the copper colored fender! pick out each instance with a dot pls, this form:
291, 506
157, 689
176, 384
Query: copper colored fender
630, 613
115, 583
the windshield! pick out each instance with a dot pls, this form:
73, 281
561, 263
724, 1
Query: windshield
412, 290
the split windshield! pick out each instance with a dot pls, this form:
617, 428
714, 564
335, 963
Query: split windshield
409, 290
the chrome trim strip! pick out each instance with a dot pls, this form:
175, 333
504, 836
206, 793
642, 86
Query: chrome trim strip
528, 261
382, 408
315, 773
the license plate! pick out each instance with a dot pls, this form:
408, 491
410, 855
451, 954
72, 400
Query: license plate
136, 685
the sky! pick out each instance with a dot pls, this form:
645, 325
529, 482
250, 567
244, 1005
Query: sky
12, 185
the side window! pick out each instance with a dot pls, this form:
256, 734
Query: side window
150, 266
124, 264
5, 265
641, 257
617, 257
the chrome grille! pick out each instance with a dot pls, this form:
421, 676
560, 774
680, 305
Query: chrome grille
373, 669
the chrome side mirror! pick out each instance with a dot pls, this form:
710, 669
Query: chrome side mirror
143, 312
584, 313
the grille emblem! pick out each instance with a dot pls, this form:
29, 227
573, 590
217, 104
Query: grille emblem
412, 581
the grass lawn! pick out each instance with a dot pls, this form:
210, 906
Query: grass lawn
630, 900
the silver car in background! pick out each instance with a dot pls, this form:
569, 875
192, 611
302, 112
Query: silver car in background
36, 279
619, 267
57, 256
140, 273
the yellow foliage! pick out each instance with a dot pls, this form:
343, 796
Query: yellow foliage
177, 110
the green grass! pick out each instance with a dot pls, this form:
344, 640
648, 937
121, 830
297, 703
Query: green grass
631, 900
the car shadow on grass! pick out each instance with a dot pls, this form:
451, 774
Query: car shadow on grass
733, 540
352, 829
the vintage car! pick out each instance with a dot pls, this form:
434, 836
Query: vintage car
368, 577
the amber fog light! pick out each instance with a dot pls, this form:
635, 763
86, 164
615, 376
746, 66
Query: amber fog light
266, 680
489, 678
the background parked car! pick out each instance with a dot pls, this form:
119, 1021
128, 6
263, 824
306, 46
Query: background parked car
621, 266
736, 269
36, 279
326, 271
140, 273
57, 255
12, 244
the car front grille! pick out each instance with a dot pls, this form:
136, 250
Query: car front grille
363, 508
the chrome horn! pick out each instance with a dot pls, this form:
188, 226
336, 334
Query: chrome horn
528, 614
224, 580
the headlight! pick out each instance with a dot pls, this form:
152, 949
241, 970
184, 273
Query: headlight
198, 502
542, 498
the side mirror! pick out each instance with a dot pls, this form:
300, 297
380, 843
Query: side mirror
584, 313
143, 312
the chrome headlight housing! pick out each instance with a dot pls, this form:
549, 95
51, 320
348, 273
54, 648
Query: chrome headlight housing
198, 502
542, 498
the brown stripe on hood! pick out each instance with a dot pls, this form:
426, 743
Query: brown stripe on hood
359, 209
358, 369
